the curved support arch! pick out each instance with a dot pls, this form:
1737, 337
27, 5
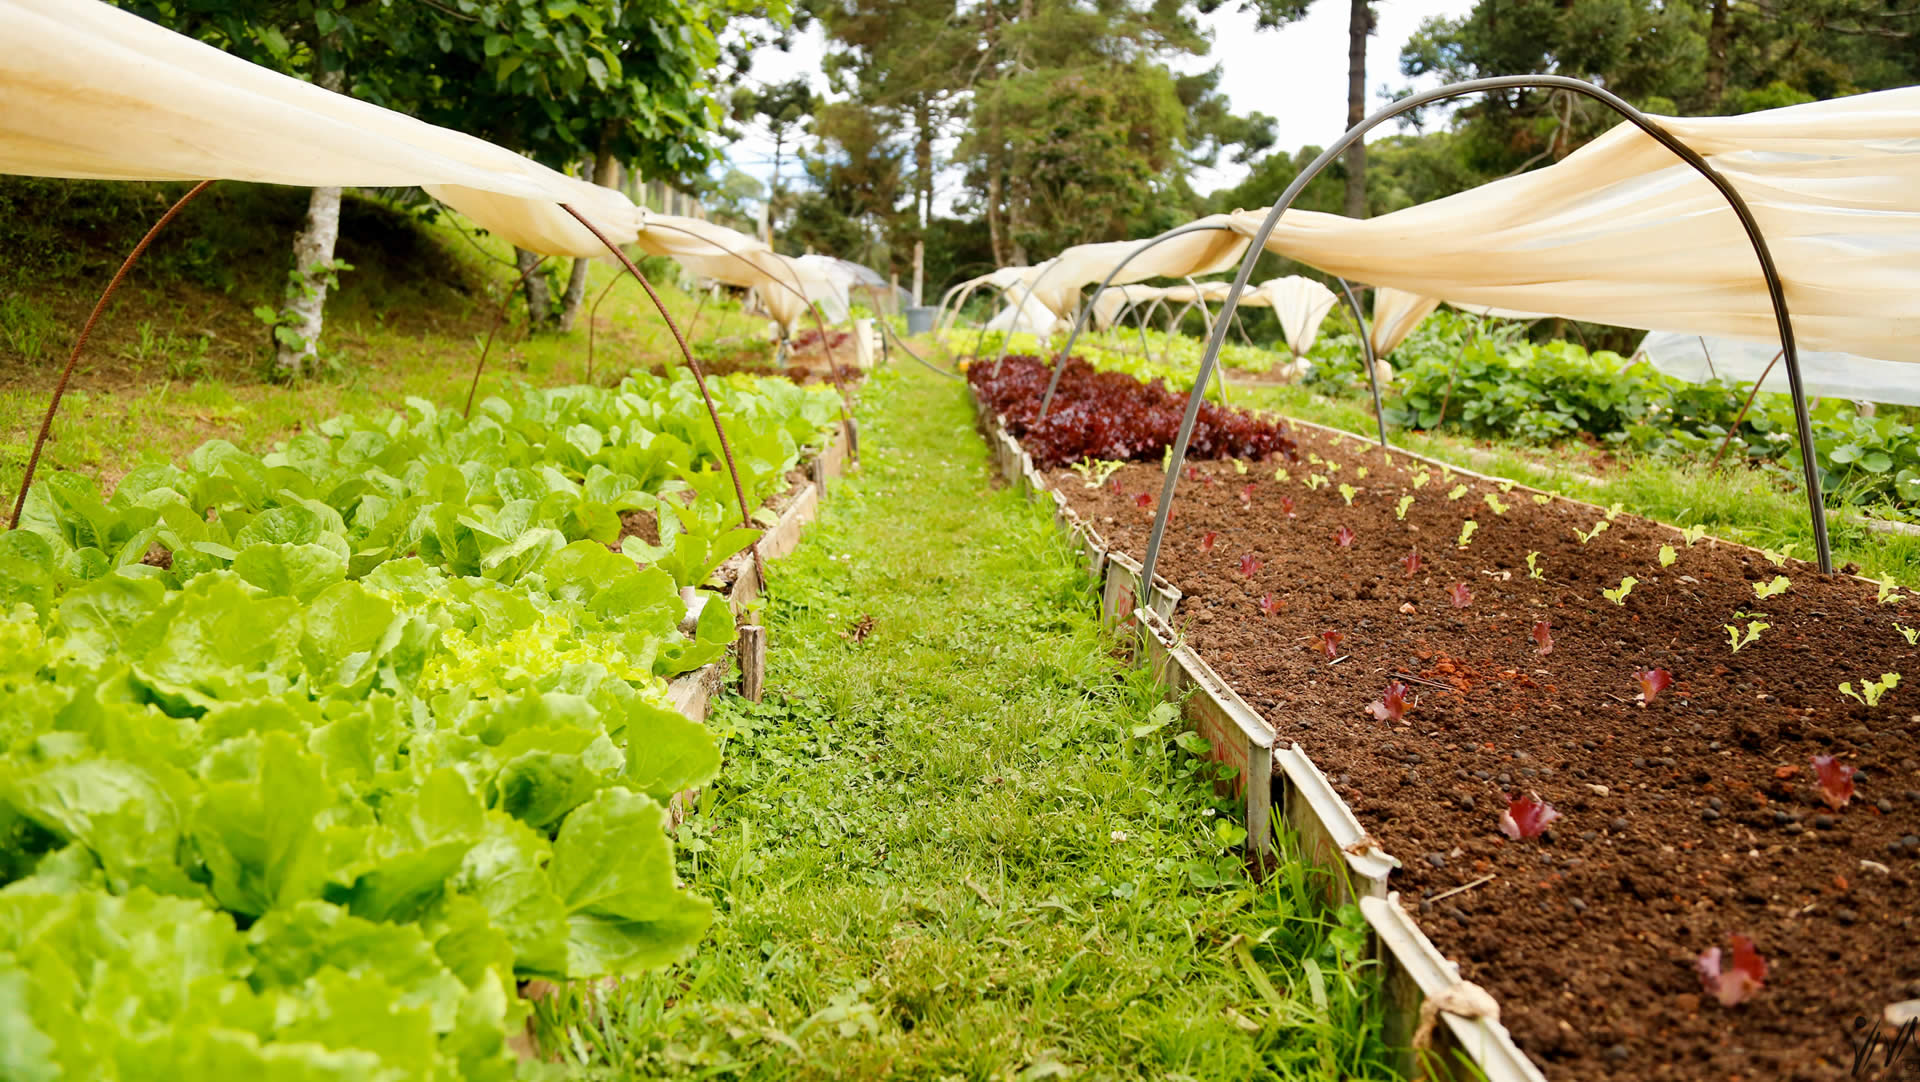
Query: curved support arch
943, 320
1080, 320
1776, 290
1367, 358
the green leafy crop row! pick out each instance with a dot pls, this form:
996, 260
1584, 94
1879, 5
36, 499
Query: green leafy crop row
305, 759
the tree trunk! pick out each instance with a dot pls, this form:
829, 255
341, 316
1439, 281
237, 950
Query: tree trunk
538, 309
1359, 25
296, 337
1717, 35
606, 173
993, 215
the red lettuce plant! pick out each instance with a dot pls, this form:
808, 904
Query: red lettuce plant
1526, 817
1248, 565
1286, 506
1269, 606
1413, 563
1112, 416
1392, 705
1835, 780
1732, 980
1652, 683
1246, 494
1143, 501
1343, 537
1330, 644
1460, 595
1207, 539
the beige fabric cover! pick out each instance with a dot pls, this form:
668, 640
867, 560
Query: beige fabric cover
1188, 256
1395, 314
1621, 232
1117, 299
1301, 304
91, 91
1024, 314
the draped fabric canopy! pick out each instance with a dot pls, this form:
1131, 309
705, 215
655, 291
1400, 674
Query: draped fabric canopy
93, 92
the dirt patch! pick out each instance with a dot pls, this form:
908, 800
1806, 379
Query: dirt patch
1684, 821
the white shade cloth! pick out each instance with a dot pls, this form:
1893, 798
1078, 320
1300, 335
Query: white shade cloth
1825, 375
1395, 314
1301, 304
1621, 232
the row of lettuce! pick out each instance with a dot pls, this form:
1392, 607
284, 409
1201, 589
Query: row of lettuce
307, 758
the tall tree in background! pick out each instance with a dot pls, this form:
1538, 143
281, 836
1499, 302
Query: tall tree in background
1274, 14
911, 62
785, 110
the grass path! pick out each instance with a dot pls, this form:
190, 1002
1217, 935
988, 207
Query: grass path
948, 849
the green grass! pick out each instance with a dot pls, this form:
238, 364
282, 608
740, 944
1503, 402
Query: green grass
942, 851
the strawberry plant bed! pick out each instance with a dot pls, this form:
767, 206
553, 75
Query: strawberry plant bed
1683, 822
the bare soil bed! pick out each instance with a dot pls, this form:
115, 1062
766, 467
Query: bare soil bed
1685, 821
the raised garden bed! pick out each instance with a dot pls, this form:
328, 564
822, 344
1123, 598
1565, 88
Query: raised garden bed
1684, 822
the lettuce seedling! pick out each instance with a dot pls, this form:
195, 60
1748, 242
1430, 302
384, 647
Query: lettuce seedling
1693, 533
1871, 690
1143, 501
1752, 634
1286, 506
1400, 509
1239, 466
1618, 595
1667, 555
1282, 475
1348, 492
1413, 563
1542, 638
1315, 482
1248, 565
1778, 586
1835, 780
1456, 492
1494, 504
1466, 533
1360, 473
1420, 479
1392, 705
1207, 540
1114, 484
1246, 494
1543, 498
1343, 536
1652, 683
1779, 559
1889, 593
1504, 487
1598, 529
1095, 471
1911, 634
1269, 606
1736, 979
1460, 595
1533, 568
1526, 817
1330, 644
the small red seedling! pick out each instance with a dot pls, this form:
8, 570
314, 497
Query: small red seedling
1652, 683
1330, 644
1526, 817
1413, 563
1736, 981
1143, 501
1207, 539
1191, 474
1344, 537
1462, 597
1269, 606
1246, 495
1248, 565
1114, 484
1835, 779
1286, 505
1542, 639
1391, 705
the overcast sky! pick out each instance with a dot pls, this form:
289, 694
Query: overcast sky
1297, 75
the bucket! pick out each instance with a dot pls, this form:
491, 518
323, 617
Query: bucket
920, 320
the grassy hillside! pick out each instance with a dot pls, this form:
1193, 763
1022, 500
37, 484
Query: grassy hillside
180, 358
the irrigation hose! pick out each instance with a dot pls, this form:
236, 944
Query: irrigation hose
902, 343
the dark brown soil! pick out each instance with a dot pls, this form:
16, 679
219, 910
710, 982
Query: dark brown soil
1685, 821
